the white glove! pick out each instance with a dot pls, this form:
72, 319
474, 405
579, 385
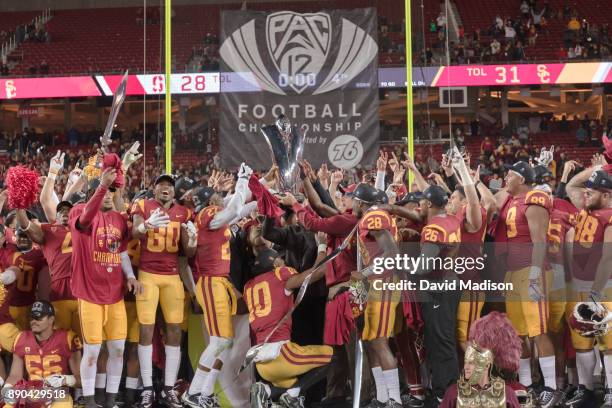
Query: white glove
8, 394
245, 171
535, 272
546, 156
8, 276
536, 293
157, 219
131, 155
56, 163
192, 233
55, 381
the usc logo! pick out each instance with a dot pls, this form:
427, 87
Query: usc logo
11, 89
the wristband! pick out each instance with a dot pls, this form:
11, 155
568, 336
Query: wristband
52, 176
535, 272
322, 248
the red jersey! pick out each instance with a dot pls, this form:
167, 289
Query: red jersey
6, 252
444, 231
96, 256
23, 292
213, 251
513, 220
588, 242
159, 248
57, 249
337, 229
560, 223
373, 220
268, 303
471, 242
49, 357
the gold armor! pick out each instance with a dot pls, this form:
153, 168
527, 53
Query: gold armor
472, 396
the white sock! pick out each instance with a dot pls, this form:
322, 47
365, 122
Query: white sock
89, 367
294, 392
101, 380
131, 383
208, 387
197, 382
381, 388
173, 362
608, 367
392, 382
145, 358
114, 365
585, 364
525, 372
547, 365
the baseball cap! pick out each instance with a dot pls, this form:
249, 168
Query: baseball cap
63, 204
165, 177
412, 197
524, 170
77, 197
183, 185
41, 308
437, 195
599, 180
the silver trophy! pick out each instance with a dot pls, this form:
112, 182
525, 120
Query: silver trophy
286, 144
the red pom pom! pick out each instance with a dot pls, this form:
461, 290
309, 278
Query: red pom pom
22, 185
111, 160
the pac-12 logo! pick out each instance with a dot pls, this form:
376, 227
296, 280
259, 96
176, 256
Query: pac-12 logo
299, 46
345, 151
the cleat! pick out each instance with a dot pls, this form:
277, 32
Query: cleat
258, 396
548, 398
147, 398
287, 401
582, 398
170, 399
410, 401
190, 400
209, 401
607, 402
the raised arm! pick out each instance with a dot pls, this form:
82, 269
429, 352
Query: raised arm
296, 281
48, 200
32, 229
473, 213
235, 205
93, 205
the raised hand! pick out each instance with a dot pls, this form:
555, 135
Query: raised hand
56, 163
381, 163
108, 177
131, 155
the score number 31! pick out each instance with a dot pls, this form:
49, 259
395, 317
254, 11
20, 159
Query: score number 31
502, 74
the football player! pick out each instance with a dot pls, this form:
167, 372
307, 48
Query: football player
465, 204
45, 354
30, 261
8, 328
269, 297
214, 291
163, 227
524, 217
56, 243
376, 235
591, 192
101, 267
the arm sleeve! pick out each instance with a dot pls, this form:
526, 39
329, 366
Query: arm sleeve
379, 183
92, 208
225, 216
272, 233
324, 194
246, 210
126, 266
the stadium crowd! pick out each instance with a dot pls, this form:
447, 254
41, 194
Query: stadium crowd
82, 253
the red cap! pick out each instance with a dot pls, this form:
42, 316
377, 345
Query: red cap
348, 189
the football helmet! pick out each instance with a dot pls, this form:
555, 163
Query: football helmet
590, 319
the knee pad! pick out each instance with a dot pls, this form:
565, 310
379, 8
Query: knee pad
115, 348
215, 348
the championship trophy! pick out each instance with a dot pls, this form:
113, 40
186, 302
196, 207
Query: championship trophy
286, 144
